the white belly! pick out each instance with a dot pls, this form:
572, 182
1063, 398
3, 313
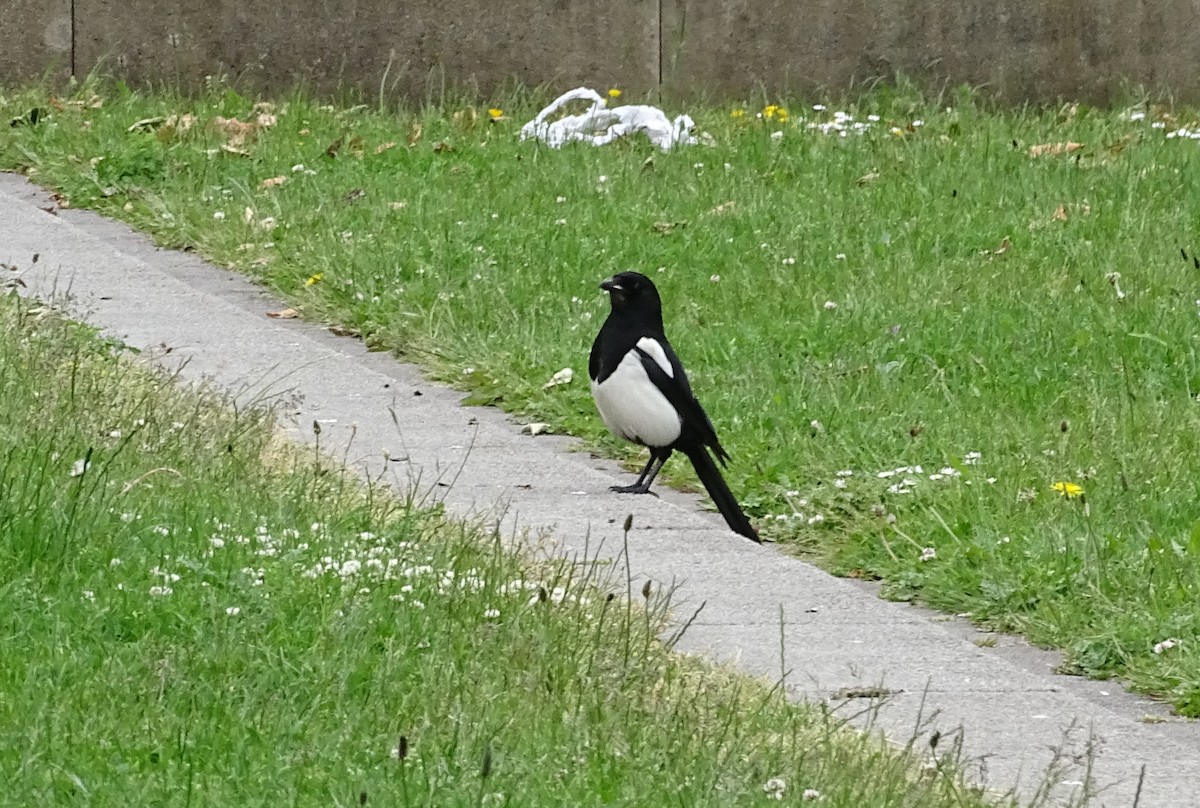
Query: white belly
633, 408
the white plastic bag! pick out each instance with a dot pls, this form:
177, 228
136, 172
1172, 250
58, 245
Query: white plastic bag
601, 125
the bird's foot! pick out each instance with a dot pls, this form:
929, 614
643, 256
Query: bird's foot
632, 489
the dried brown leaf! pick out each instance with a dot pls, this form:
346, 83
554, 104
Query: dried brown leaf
414, 133
442, 146
401, 205
356, 146
865, 178
1054, 148
382, 147
182, 123
723, 208
237, 133
271, 182
284, 314
355, 194
147, 124
333, 148
466, 118
1003, 248
235, 150
1060, 214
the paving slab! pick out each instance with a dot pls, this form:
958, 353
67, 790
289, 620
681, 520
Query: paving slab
898, 668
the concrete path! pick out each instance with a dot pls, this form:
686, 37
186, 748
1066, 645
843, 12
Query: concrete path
1014, 715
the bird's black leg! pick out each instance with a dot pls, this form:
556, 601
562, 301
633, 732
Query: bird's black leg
642, 486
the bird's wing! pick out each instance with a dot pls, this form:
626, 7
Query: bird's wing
667, 374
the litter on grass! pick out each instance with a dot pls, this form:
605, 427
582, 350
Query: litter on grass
601, 125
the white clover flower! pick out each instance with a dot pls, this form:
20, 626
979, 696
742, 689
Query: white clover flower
218, 215
873, 118
928, 554
715, 278
491, 614
830, 305
560, 199
816, 519
1137, 116
810, 794
159, 591
233, 611
89, 594
840, 257
950, 471
774, 788
839, 482
817, 108
789, 260
80, 467
1165, 645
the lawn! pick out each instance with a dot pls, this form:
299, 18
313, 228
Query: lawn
194, 613
949, 346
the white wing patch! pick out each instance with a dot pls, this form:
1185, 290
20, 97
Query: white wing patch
655, 349
633, 407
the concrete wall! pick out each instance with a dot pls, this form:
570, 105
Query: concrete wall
332, 44
1032, 50
35, 39
1021, 50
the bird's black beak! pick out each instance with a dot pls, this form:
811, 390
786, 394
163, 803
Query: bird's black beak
610, 285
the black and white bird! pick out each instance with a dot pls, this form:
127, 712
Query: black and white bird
644, 396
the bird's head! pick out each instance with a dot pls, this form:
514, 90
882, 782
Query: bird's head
631, 290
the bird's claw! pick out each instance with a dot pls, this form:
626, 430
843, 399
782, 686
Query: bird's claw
632, 489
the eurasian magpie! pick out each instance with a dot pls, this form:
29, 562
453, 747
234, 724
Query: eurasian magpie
644, 397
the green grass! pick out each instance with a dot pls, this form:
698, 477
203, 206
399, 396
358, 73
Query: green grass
887, 300
195, 614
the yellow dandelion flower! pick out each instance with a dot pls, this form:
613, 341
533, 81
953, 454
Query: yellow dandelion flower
737, 113
1068, 490
614, 93
314, 279
496, 113
769, 111
781, 115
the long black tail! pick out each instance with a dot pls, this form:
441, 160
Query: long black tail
714, 483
